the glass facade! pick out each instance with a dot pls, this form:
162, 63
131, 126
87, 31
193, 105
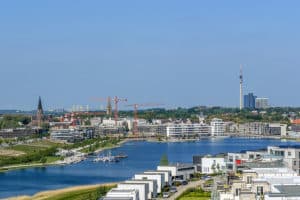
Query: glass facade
249, 101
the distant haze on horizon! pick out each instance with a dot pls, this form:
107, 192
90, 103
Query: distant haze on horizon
173, 52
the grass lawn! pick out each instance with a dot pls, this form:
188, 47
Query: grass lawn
51, 159
193, 194
36, 152
28, 149
195, 198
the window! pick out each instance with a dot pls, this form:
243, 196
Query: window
289, 153
249, 179
295, 163
237, 191
260, 190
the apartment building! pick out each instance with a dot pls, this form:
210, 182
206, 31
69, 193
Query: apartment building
187, 130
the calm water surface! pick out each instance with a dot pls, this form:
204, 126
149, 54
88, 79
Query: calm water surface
141, 156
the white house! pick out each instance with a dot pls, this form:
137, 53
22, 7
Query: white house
155, 176
118, 193
143, 189
179, 171
167, 176
212, 165
152, 186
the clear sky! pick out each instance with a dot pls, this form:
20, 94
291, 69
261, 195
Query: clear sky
180, 53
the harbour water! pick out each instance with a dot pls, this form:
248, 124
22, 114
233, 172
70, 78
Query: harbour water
141, 156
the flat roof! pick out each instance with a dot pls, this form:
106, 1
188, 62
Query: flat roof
150, 173
124, 183
289, 146
286, 191
179, 165
122, 190
137, 180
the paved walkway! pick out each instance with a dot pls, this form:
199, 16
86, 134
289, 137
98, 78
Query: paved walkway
183, 188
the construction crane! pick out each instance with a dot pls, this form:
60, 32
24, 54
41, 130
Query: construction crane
116, 100
135, 111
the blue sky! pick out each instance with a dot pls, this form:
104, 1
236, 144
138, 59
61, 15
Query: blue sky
180, 53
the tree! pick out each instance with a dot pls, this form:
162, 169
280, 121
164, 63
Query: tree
43, 160
218, 167
164, 160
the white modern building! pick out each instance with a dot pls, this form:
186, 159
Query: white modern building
217, 127
66, 135
179, 171
187, 130
290, 155
95, 121
143, 189
278, 129
212, 165
152, 176
152, 186
118, 193
168, 176
261, 103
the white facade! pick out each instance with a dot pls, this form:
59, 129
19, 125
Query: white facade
261, 103
158, 177
168, 176
143, 189
152, 186
187, 130
66, 135
111, 122
117, 193
213, 165
96, 121
217, 127
182, 171
282, 127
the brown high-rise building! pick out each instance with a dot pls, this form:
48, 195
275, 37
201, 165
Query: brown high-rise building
108, 107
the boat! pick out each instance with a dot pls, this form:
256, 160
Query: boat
108, 158
121, 155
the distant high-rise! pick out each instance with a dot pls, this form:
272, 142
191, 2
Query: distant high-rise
109, 108
40, 113
261, 103
249, 101
241, 88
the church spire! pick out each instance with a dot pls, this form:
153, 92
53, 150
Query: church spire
40, 106
40, 113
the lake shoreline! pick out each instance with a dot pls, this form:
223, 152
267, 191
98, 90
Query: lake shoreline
142, 155
62, 191
122, 142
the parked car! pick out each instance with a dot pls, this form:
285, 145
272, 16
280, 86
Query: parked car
173, 189
166, 195
184, 182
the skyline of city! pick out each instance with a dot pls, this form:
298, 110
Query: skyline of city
180, 55
149, 100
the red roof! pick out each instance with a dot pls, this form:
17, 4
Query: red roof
296, 121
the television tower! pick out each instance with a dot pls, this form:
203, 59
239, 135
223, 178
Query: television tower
241, 87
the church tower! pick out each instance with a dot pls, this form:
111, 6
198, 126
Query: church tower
40, 113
